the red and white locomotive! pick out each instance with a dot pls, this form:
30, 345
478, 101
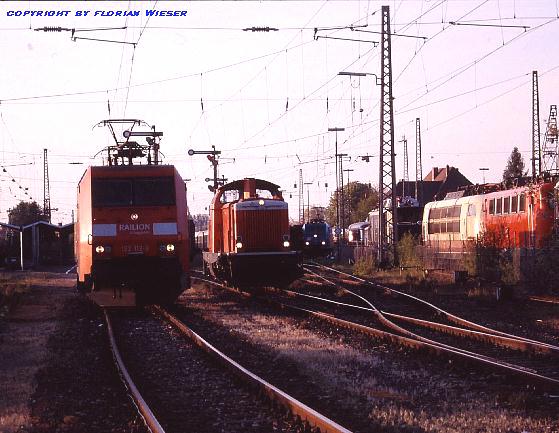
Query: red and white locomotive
522, 217
131, 234
248, 235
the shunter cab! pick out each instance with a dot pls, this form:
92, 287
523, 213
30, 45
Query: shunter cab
131, 236
249, 236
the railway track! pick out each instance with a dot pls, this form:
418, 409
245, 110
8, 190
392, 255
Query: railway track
187, 393
536, 360
538, 368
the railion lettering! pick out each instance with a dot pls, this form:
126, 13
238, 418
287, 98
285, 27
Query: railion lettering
141, 227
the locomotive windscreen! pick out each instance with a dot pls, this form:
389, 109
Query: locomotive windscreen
314, 229
133, 192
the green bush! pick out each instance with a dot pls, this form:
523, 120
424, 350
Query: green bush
365, 266
407, 252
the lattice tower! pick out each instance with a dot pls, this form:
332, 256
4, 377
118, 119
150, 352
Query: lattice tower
388, 228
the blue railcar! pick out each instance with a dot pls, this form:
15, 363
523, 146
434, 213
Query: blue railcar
317, 238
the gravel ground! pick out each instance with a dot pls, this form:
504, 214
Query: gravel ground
56, 371
24, 333
363, 384
184, 387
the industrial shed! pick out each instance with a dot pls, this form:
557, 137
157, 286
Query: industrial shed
43, 244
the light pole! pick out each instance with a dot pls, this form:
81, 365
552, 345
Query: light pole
308, 201
360, 74
336, 130
347, 170
386, 168
483, 170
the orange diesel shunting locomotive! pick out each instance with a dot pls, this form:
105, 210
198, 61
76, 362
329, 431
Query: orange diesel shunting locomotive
131, 234
248, 241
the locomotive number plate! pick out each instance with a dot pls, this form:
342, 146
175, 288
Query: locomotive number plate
134, 249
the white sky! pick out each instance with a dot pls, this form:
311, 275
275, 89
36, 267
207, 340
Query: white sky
246, 78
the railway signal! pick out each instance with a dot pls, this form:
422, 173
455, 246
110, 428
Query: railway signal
212, 157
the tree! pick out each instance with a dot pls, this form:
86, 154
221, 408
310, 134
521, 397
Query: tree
359, 200
26, 213
515, 165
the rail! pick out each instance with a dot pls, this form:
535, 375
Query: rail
143, 408
297, 408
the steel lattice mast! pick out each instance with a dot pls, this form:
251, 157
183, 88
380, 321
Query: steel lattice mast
46, 187
388, 229
549, 148
301, 207
536, 149
418, 165
406, 178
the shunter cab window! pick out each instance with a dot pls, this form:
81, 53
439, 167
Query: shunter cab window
492, 206
129, 192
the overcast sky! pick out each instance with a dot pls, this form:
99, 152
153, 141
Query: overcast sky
269, 97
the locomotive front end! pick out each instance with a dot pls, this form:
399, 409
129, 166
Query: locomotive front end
133, 235
249, 242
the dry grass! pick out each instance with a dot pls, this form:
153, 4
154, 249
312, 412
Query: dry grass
12, 286
400, 394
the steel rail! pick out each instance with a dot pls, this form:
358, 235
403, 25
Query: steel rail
538, 345
297, 408
143, 408
554, 301
457, 353
422, 343
499, 340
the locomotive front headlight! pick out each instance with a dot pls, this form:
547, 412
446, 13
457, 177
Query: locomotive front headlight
323, 243
307, 243
99, 249
315, 236
286, 244
239, 244
170, 248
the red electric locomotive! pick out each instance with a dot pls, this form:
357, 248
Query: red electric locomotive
131, 234
521, 217
248, 240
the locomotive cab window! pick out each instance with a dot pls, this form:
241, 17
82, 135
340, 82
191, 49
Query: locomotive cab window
492, 207
128, 192
112, 192
154, 192
472, 210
